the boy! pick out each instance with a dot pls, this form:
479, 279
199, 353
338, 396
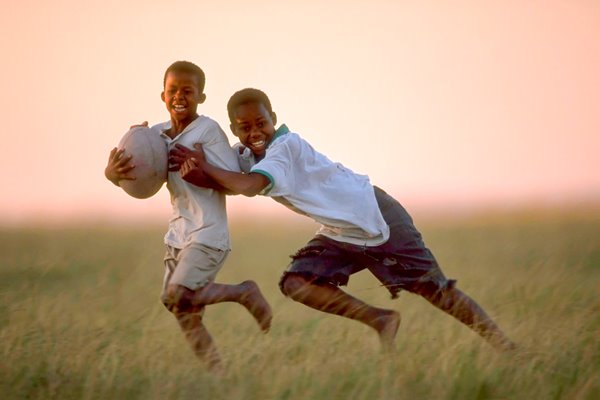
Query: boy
362, 226
197, 241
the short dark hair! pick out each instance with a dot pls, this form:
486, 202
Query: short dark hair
245, 96
189, 68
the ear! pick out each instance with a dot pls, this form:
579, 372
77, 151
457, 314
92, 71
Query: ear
274, 118
201, 98
231, 126
162, 96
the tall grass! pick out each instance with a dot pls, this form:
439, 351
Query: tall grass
80, 318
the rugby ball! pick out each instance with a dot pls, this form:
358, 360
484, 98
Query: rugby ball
150, 156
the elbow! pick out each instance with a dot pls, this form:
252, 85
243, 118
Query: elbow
250, 192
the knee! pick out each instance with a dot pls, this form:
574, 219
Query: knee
446, 299
291, 284
177, 298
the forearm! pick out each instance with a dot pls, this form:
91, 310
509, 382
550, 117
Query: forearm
235, 182
212, 184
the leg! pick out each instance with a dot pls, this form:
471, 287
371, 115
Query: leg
198, 263
187, 306
196, 334
246, 293
330, 299
467, 311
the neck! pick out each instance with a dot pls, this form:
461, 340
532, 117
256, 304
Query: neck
177, 126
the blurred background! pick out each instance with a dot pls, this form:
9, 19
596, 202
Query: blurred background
451, 106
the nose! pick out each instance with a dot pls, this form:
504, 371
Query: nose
255, 132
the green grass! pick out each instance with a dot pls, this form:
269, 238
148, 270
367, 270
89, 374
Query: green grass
80, 318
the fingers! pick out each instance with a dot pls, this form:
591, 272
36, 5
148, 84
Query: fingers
175, 162
125, 168
124, 162
186, 169
179, 155
120, 162
189, 166
143, 124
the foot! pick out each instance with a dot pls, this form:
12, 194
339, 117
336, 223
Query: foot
256, 303
386, 326
503, 344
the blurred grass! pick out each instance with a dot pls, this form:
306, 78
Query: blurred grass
80, 318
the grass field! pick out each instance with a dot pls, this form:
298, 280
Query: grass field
80, 318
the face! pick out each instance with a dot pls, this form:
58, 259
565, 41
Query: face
254, 126
182, 96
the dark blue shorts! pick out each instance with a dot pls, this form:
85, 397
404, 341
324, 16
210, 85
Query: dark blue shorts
403, 262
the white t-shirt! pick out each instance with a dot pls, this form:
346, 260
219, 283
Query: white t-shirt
308, 183
199, 214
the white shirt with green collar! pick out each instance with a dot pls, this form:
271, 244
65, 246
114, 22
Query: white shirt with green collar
199, 214
308, 183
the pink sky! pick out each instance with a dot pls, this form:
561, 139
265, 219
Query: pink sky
442, 103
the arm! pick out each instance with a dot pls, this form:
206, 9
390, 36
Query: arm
178, 157
237, 183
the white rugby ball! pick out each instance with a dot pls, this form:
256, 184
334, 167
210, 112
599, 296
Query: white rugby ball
150, 156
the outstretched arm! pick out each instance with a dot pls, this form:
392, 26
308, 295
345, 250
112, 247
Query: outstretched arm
247, 184
177, 158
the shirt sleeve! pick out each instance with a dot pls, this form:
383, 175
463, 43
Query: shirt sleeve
278, 167
245, 157
218, 152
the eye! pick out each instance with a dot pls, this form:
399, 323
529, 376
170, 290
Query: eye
260, 124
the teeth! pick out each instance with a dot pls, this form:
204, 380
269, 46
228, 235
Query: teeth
259, 143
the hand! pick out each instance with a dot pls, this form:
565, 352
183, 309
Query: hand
143, 124
192, 172
180, 154
119, 166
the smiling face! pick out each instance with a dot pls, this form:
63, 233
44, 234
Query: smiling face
254, 126
182, 96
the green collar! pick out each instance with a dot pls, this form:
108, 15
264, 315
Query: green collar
282, 130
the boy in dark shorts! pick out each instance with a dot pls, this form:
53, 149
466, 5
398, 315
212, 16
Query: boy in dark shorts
362, 226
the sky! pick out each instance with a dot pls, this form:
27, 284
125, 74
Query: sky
444, 104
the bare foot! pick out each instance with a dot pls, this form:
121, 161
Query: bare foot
387, 327
258, 306
503, 344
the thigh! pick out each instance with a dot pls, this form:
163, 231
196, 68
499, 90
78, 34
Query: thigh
197, 265
323, 260
170, 262
404, 262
